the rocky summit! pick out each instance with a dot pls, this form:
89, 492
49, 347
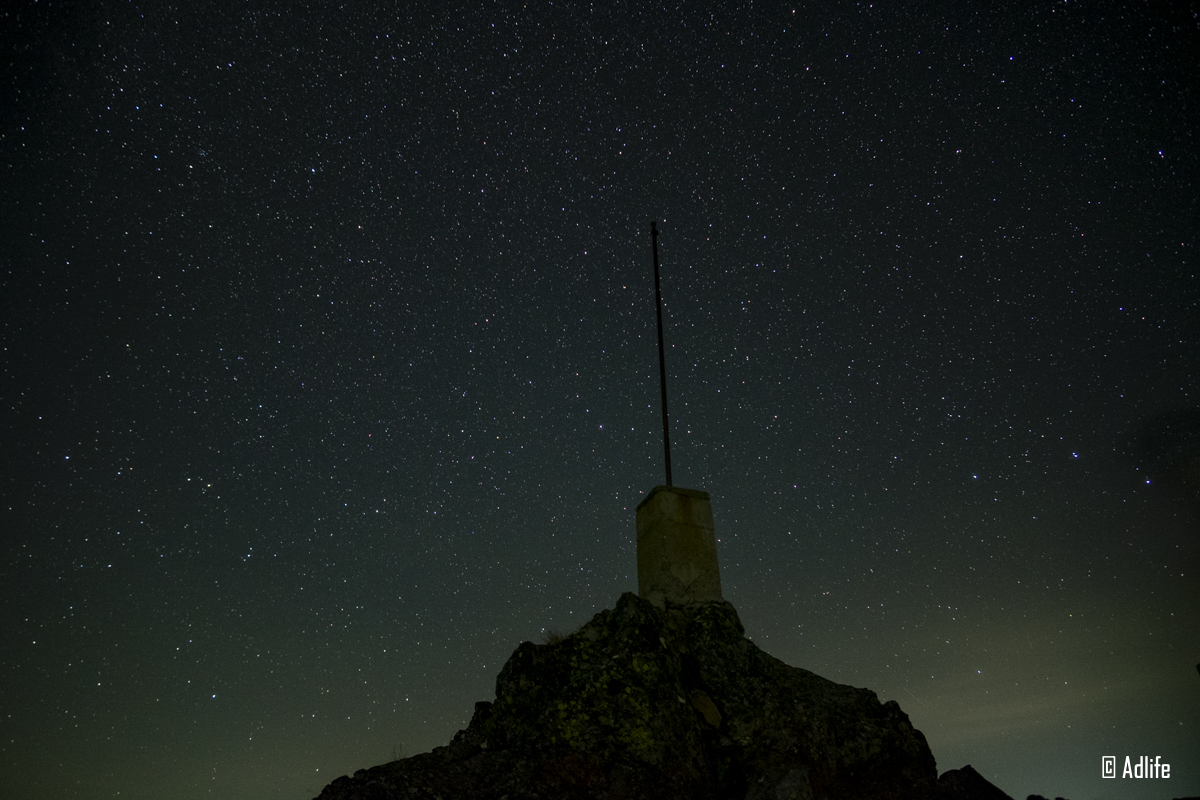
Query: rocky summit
653, 703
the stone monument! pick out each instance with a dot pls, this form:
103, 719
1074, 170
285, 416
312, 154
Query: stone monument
676, 544
677, 548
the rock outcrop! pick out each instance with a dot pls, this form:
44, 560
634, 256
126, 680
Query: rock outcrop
661, 704
968, 784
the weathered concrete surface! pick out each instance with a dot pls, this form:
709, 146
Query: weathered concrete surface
677, 548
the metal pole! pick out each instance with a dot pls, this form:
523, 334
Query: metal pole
662, 359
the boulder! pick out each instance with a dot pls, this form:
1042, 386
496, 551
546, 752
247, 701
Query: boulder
967, 784
664, 704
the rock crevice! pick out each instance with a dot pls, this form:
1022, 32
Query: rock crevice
675, 702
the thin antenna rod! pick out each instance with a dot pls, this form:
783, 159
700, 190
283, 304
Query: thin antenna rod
662, 359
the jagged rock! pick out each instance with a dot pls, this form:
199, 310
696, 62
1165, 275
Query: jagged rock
967, 784
659, 704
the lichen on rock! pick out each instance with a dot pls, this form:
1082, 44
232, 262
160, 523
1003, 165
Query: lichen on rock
662, 703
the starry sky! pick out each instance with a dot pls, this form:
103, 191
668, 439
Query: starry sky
329, 369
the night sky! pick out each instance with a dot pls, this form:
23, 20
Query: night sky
329, 370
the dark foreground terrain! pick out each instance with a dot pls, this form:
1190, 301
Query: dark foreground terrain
646, 703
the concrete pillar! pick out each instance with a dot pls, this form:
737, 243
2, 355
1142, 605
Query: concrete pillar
677, 548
